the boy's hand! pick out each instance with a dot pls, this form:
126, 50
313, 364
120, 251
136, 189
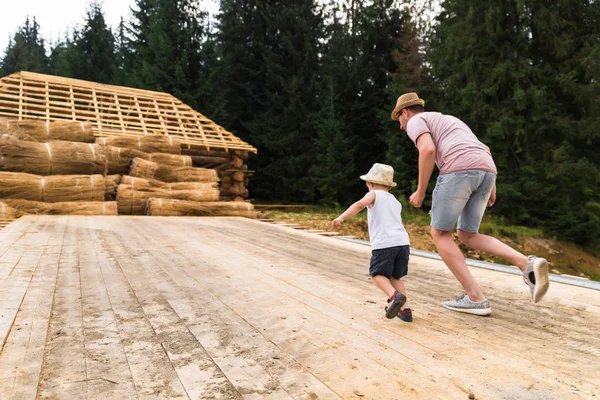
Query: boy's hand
337, 222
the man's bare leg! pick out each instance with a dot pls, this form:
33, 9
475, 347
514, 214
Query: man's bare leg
456, 262
493, 246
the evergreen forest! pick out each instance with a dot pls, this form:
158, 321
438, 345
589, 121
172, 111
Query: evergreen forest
311, 84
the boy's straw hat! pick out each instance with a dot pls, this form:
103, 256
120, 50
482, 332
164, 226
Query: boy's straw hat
380, 173
406, 100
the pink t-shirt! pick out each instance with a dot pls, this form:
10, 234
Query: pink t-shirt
458, 149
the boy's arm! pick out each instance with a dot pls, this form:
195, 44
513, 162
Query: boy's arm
355, 209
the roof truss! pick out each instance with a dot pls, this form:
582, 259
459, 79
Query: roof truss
112, 110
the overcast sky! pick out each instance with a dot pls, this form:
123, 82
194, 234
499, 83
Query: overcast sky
55, 16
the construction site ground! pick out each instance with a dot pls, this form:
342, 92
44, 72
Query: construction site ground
232, 308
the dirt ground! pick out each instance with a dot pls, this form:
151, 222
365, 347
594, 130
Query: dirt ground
564, 258
231, 308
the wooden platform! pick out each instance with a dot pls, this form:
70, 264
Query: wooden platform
229, 308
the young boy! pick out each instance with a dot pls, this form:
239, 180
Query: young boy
389, 240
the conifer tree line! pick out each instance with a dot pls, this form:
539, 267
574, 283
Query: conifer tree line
311, 84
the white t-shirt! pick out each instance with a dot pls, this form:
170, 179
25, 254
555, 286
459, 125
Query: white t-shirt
385, 222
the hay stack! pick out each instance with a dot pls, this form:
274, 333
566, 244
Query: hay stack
118, 159
147, 144
51, 189
174, 160
166, 207
111, 182
42, 131
166, 173
217, 158
18, 136
63, 208
146, 185
135, 202
52, 158
9, 213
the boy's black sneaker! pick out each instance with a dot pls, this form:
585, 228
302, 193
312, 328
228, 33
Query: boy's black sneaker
396, 302
405, 315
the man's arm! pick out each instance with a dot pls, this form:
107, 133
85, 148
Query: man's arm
355, 209
492, 199
426, 163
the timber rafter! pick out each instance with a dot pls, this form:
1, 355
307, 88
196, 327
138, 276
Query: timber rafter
112, 110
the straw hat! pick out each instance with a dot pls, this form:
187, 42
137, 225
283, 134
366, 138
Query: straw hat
406, 100
380, 173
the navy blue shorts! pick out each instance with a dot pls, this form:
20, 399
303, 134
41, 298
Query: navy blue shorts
391, 262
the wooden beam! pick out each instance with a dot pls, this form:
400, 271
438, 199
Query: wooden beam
119, 112
98, 119
140, 115
115, 110
47, 103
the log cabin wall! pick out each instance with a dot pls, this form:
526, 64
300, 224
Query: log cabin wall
232, 168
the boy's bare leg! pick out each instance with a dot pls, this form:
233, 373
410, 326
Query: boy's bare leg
455, 260
384, 284
493, 246
399, 286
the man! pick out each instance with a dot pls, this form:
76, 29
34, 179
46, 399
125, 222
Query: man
465, 186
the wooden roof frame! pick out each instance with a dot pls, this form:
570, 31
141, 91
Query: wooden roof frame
112, 110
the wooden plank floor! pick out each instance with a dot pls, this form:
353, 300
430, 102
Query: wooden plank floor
230, 308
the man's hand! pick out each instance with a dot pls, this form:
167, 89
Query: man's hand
337, 222
492, 199
416, 199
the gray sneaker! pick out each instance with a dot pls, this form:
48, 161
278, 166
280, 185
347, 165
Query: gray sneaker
464, 304
536, 277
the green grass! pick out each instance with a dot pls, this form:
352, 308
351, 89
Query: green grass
490, 225
497, 227
566, 257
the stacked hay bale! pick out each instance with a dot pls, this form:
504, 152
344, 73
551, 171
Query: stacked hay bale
51, 189
59, 167
8, 214
232, 168
170, 207
54, 168
58, 194
148, 181
171, 180
62, 208
42, 131
134, 193
50, 158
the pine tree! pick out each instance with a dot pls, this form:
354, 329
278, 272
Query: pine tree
25, 51
409, 74
333, 172
64, 57
122, 69
166, 38
209, 93
270, 56
361, 51
522, 79
241, 71
96, 47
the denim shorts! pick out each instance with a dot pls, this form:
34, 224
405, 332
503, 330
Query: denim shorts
391, 262
461, 196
